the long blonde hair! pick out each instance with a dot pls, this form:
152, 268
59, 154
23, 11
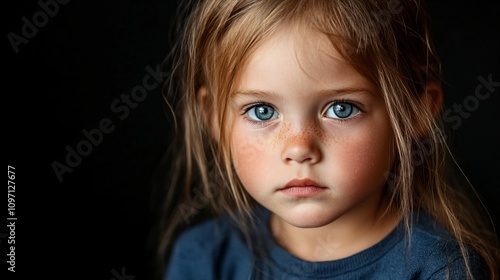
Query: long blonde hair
387, 41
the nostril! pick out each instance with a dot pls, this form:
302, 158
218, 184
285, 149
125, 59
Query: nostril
299, 160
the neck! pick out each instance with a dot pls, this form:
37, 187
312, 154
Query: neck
351, 233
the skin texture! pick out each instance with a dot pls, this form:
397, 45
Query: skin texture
299, 74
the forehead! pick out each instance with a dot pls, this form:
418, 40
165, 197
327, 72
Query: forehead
298, 56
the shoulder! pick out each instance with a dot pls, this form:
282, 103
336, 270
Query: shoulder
204, 250
196, 236
201, 240
433, 252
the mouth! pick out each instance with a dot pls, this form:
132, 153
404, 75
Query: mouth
302, 188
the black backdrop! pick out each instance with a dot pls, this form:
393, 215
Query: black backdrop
68, 75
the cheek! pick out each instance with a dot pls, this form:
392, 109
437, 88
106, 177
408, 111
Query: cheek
250, 154
246, 148
363, 158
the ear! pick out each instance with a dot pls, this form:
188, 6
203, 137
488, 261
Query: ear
432, 97
206, 107
432, 100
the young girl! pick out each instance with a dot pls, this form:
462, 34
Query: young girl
309, 131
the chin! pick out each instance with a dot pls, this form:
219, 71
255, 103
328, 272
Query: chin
305, 217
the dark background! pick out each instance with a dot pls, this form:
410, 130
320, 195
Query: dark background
97, 221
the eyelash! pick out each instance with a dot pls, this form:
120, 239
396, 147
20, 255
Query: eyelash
350, 102
260, 103
251, 106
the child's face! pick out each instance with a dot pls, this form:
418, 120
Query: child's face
301, 113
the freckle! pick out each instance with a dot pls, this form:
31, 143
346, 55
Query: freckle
281, 134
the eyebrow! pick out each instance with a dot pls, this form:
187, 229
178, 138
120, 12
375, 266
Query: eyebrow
255, 92
271, 94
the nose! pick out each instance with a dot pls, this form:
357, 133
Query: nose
301, 146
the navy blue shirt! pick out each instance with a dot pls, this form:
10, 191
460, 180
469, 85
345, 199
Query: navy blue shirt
216, 249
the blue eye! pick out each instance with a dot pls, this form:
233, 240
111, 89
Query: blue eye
341, 110
261, 112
